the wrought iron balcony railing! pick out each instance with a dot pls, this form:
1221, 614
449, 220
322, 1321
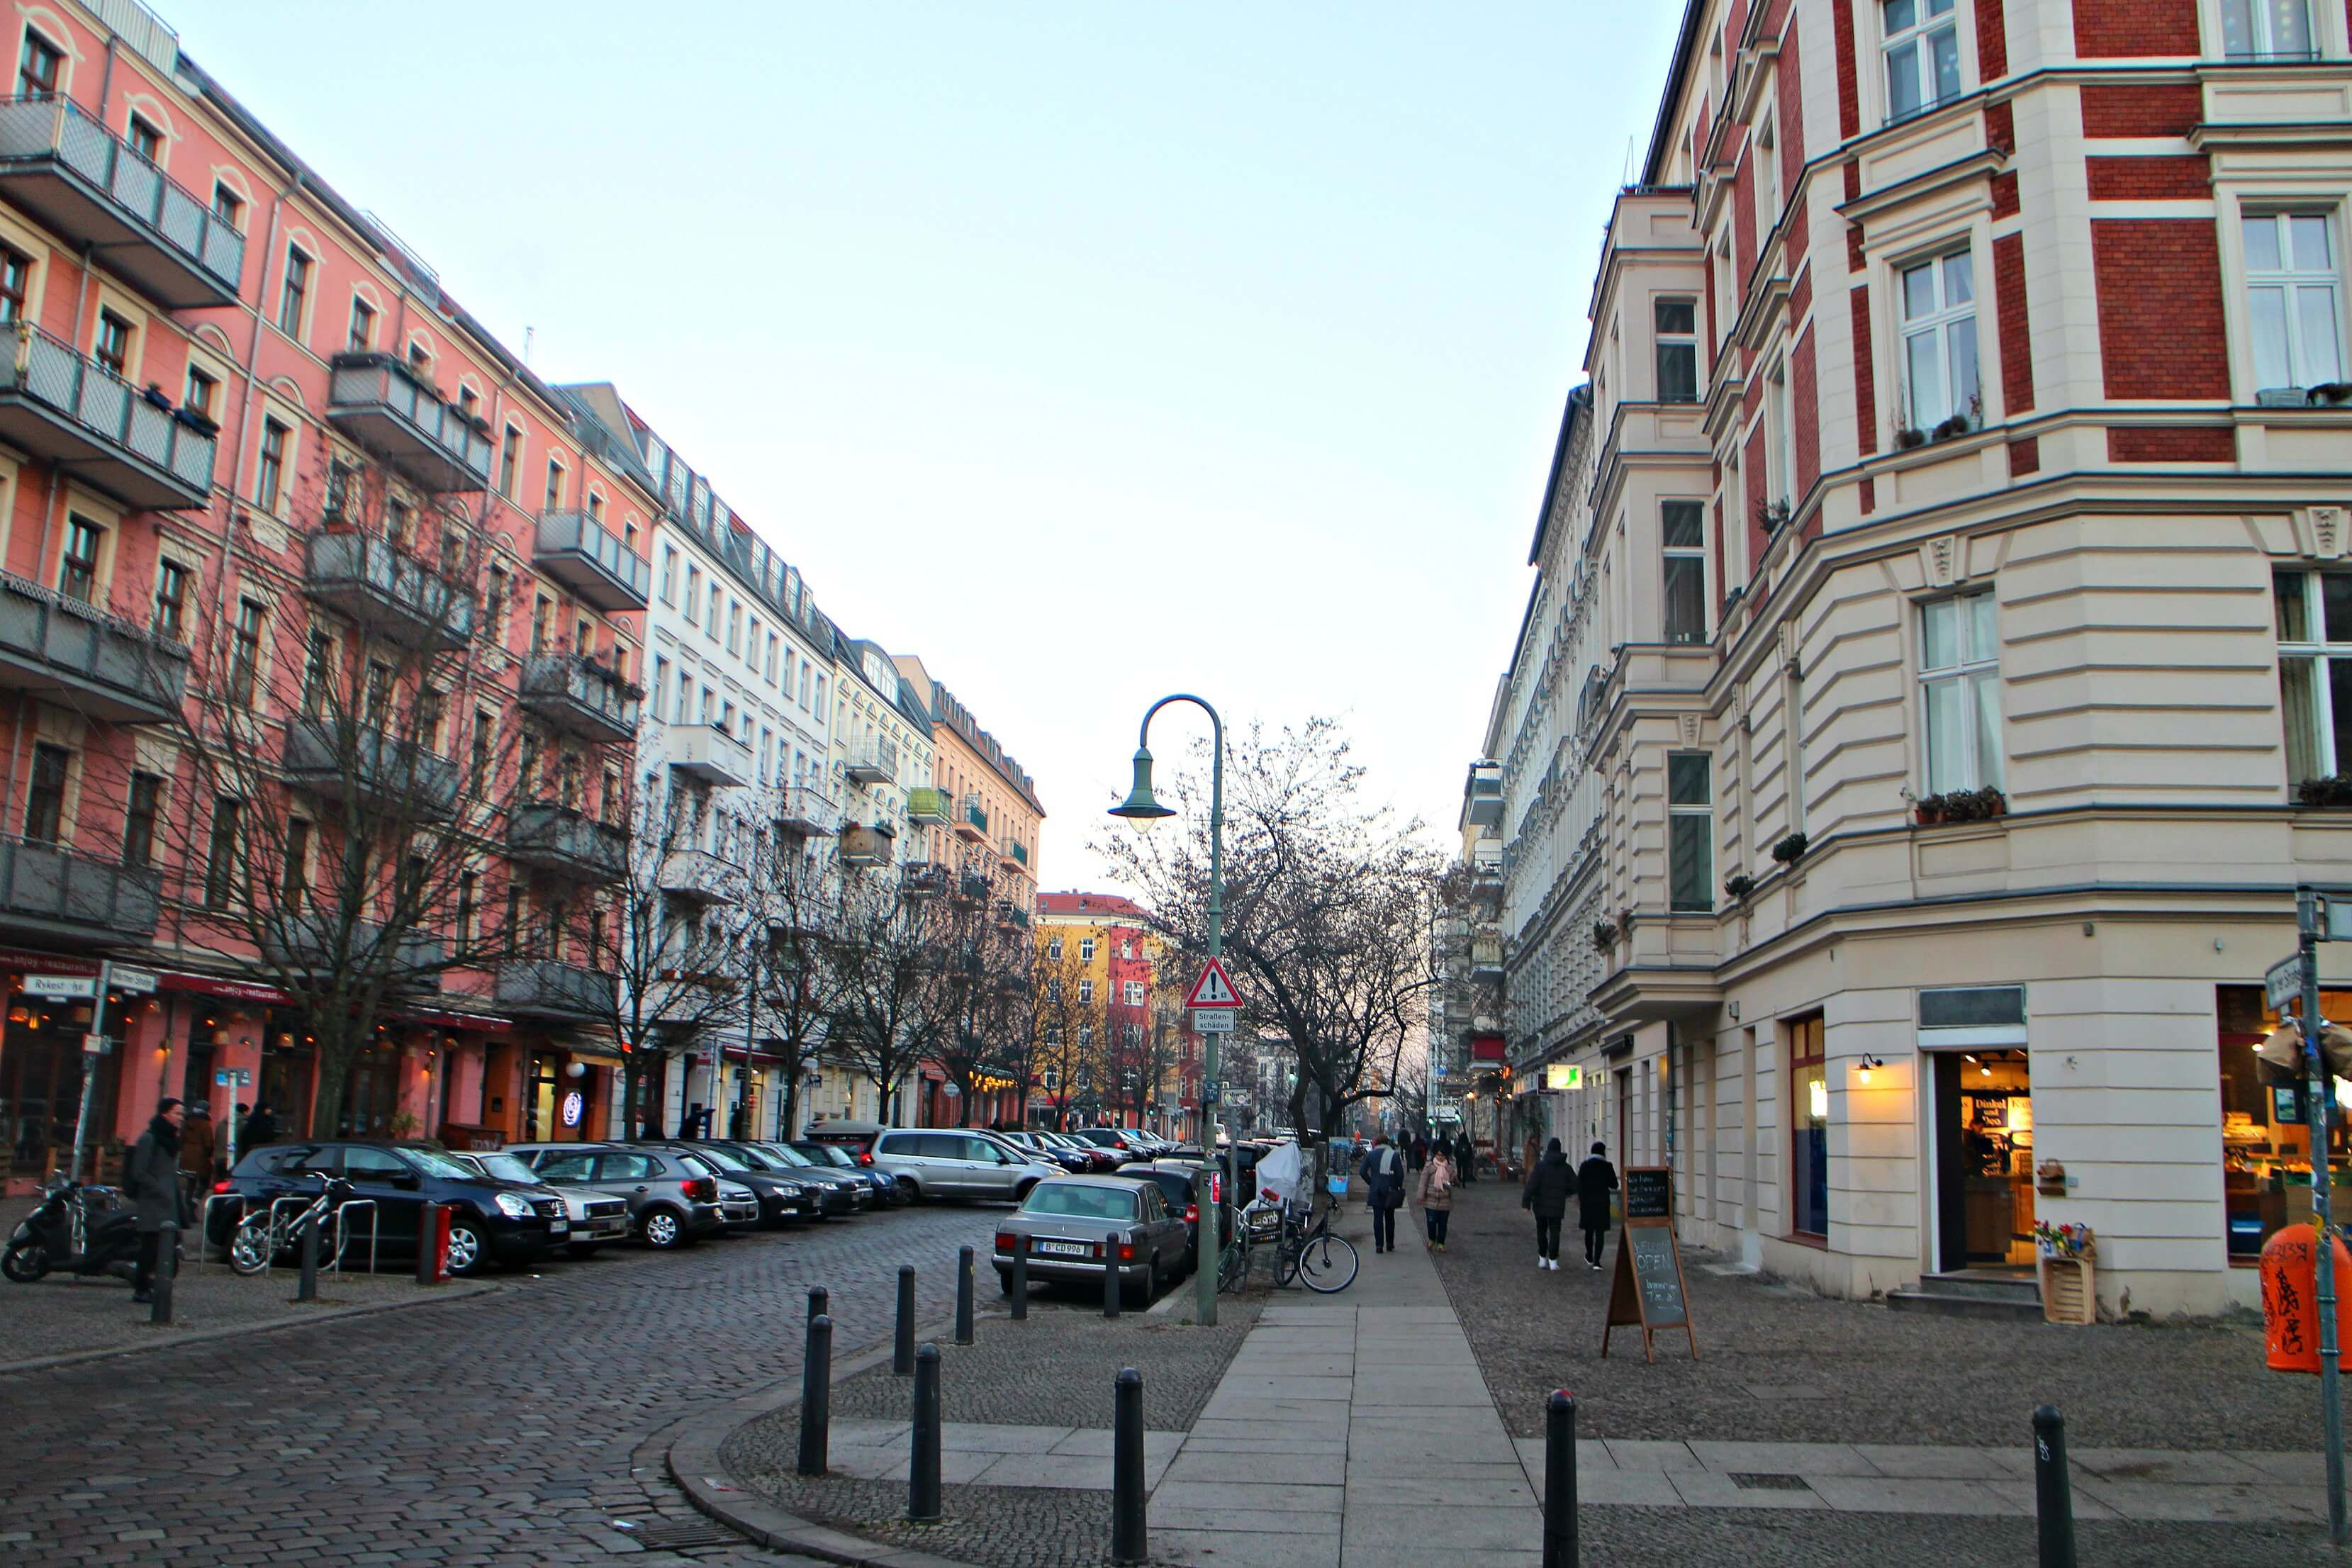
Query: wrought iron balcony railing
347, 761
387, 590
581, 697
590, 559
544, 988
378, 400
48, 886
570, 843
67, 653
55, 402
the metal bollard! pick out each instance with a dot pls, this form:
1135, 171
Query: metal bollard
428, 1244
1112, 1290
167, 1268
1129, 1531
1019, 1294
816, 1393
902, 1348
923, 1468
2053, 1489
964, 1296
820, 1302
1559, 1481
306, 1289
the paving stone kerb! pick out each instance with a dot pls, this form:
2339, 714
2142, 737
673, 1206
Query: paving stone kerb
1778, 1364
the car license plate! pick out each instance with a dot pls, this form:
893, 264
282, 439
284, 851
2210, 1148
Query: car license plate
559, 1228
1065, 1249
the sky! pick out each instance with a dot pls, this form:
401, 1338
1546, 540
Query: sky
1090, 351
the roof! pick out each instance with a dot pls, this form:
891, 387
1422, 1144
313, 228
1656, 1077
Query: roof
1089, 904
1579, 404
1661, 133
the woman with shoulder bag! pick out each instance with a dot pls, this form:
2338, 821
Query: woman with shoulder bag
1437, 1194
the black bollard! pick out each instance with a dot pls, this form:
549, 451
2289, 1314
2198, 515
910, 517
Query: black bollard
1559, 1481
2053, 1489
307, 1287
1020, 1291
1129, 1534
816, 1393
902, 1348
820, 1302
923, 1469
167, 1268
428, 1244
964, 1296
1112, 1288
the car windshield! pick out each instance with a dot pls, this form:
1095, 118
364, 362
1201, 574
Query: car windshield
433, 1162
1079, 1203
756, 1158
506, 1168
725, 1159
696, 1163
822, 1155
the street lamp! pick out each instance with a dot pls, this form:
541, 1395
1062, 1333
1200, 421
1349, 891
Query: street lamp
1142, 809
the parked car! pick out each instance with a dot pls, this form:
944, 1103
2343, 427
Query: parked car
835, 1192
1099, 1161
1120, 1140
1183, 1186
834, 1158
946, 1163
1034, 1143
780, 1198
1070, 1222
673, 1197
596, 1217
854, 1138
490, 1220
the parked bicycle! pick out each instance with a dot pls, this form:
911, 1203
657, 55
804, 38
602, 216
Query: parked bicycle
1305, 1249
267, 1235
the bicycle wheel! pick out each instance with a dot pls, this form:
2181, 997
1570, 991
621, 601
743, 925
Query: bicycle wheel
1286, 1265
1232, 1270
1328, 1263
249, 1249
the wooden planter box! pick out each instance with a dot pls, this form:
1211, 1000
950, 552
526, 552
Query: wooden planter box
2068, 1290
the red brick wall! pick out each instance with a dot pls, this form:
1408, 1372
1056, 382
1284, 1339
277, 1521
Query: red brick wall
2158, 109
1754, 474
2172, 444
2185, 176
1800, 294
1743, 213
2001, 127
1849, 85
2106, 30
1805, 415
1865, 377
1707, 301
1993, 41
2160, 286
2016, 332
2004, 196
1868, 490
1789, 117
2025, 457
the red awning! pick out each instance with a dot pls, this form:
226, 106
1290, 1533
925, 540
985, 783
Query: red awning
234, 990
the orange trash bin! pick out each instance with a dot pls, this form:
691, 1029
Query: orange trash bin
2291, 1303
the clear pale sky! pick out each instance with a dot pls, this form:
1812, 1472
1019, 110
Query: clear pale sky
1090, 351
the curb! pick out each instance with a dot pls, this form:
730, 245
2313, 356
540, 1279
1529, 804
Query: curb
207, 1336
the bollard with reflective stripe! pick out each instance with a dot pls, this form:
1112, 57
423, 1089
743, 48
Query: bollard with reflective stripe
964, 1296
923, 1468
1559, 1481
2053, 1489
816, 1393
902, 1347
1129, 1531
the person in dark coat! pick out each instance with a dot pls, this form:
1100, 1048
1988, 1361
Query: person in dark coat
1416, 1152
260, 1127
196, 1154
1595, 1179
1546, 1194
150, 1180
1383, 1173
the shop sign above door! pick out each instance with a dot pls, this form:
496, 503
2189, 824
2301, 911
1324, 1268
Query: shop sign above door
62, 987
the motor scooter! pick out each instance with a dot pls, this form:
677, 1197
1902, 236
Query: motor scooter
76, 1230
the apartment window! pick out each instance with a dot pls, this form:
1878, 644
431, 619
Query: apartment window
319, 673
1682, 526
37, 65
542, 614
294, 882
244, 652
1085, 949
669, 576
710, 621
112, 349
77, 572
227, 206
1131, 1037
1767, 160
45, 794
693, 595
429, 705
660, 687
496, 596
1677, 344
139, 819
684, 692
1809, 1126
196, 394
554, 496
595, 507
220, 853
1085, 992
1939, 344
1690, 830
2293, 300
484, 728
1134, 993
171, 584
734, 627
2267, 29
342, 492
1086, 1037
2314, 615
379, 693
269, 479
16, 277
144, 139
291, 295
513, 930
363, 337
469, 893
775, 645
509, 460
1054, 950
1780, 467
1923, 55
1960, 677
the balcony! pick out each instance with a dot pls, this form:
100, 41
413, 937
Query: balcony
806, 813
971, 822
387, 591
1012, 914
875, 761
347, 762
69, 171
867, 844
580, 696
62, 651
928, 807
1482, 795
971, 887
1486, 962
923, 880
292, 939
544, 988
590, 559
1486, 875
56, 891
568, 843
701, 877
376, 400
1013, 854
97, 427
707, 753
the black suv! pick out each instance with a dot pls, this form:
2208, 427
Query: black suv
490, 1221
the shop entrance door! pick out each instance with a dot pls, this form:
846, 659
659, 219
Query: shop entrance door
539, 1101
1984, 1160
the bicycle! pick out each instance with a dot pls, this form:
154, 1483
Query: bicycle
268, 1235
1325, 1263
1258, 1223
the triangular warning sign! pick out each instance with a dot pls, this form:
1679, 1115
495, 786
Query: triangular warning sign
1214, 989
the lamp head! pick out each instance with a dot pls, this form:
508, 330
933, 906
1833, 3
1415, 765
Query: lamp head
1140, 807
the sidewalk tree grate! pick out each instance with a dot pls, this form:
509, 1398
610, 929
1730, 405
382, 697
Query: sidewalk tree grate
1748, 1480
675, 1537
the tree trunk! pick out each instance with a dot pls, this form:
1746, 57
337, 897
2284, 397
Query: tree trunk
333, 1045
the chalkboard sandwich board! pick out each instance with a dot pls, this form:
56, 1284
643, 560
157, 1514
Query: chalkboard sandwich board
1647, 1289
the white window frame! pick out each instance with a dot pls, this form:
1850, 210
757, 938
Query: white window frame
1668, 552
2303, 367
1085, 949
1085, 992
2260, 38
2322, 654
1976, 671
1934, 325
1684, 811
1779, 437
1134, 993
1916, 42
1767, 158
1661, 340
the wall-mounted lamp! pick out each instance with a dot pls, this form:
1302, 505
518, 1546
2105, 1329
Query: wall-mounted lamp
1734, 1011
1868, 1064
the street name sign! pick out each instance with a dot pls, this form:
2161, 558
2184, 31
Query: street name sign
2283, 982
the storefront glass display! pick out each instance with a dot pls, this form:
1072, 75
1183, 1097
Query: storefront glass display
1809, 1111
2265, 1149
41, 1068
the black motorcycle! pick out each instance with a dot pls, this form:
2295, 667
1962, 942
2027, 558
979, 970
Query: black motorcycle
76, 1231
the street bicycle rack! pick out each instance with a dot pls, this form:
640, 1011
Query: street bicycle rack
205, 1225
343, 1228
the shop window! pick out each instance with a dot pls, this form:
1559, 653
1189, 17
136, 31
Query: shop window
1922, 48
2293, 300
1809, 1115
2266, 1168
2267, 30
1690, 831
1960, 678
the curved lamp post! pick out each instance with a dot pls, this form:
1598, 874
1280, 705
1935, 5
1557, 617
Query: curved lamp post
1140, 808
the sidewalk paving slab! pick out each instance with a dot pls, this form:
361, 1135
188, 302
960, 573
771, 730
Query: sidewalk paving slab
1888, 1494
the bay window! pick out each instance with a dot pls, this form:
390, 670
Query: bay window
1683, 541
1690, 832
2267, 29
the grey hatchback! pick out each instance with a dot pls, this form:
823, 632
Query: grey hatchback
1070, 1222
673, 1197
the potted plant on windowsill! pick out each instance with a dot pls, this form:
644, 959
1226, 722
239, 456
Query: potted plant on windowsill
1739, 886
2330, 395
1791, 849
1604, 935
1910, 436
2323, 793
1772, 517
1960, 806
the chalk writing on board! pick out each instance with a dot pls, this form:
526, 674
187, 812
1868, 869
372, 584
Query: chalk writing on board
1661, 1280
1648, 1193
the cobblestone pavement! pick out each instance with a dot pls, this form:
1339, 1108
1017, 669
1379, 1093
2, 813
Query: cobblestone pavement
508, 1429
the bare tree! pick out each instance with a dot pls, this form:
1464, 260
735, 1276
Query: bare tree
1067, 1031
795, 901
892, 995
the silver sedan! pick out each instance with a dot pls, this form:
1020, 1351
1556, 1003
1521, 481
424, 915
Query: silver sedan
1069, 1223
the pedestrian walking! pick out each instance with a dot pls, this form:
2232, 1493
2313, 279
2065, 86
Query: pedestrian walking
196, 1149
1595, 1179
1546, 1196
1465, 1158
1416, 1154
260, 1127
151, 1179
1384, 1191
1437, 1194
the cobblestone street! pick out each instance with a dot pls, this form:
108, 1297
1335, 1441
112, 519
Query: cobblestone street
507, 1429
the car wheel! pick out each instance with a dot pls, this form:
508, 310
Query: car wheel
1004, 1281
908, 1191
470, 1251
664, 1229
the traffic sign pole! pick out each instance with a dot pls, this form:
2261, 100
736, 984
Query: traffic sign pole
2308, 916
